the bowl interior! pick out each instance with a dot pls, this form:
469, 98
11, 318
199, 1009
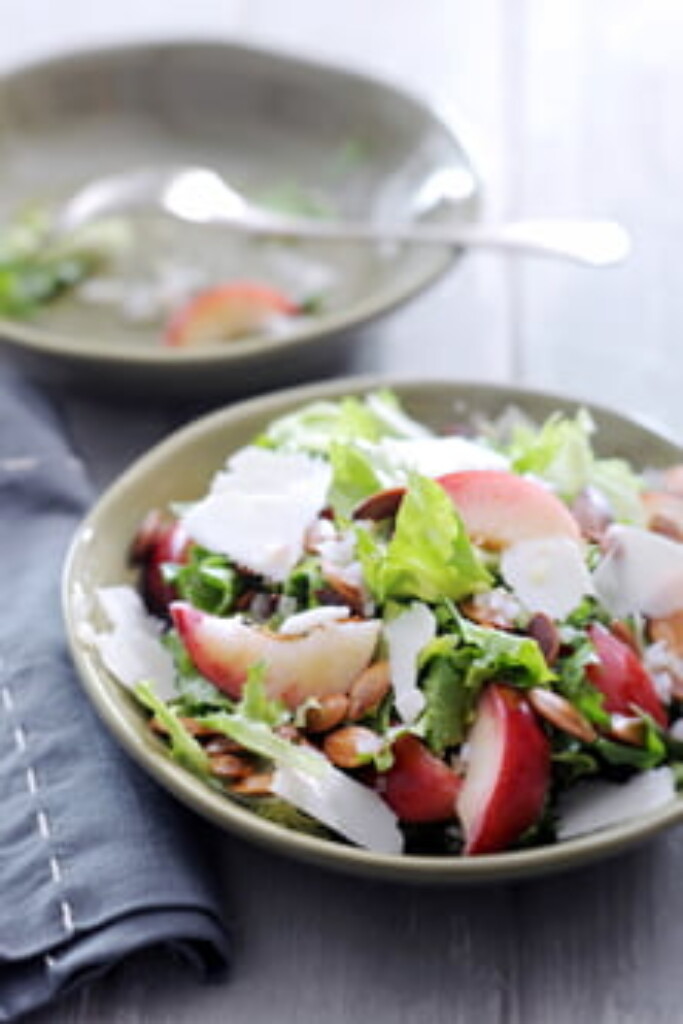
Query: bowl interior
284, 130
180, 469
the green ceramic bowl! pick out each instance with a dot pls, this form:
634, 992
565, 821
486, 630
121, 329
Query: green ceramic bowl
180, 469
281, 129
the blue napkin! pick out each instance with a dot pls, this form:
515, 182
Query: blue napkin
96, 862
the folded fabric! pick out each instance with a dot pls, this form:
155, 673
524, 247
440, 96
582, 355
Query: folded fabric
96, 861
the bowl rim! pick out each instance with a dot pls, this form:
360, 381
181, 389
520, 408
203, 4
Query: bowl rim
43, 341
107, 696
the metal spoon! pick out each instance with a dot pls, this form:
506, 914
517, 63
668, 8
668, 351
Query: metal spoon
201, 196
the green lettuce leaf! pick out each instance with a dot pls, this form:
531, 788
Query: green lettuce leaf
512, 658
429, 557
184, 747
255, 703
450, 693
650, 755
572, 682
207, 581
353, 477
317, 425
455, 668
561, 452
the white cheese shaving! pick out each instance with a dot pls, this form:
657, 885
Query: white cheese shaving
642, 571
343, 804
132, 649
435, 456
596, 805
304, 622
258, 510
406, 636
548, 574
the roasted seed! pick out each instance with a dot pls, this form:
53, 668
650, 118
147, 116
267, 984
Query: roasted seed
288, 732
258, 784
343, 587
622, 631
228, 766
328, 713
221, 745
382, 505
664, 512
628, 729
546, 634
561, 713
669, 630
351, 745
369, 689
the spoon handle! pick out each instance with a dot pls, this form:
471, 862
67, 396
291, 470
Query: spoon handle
596, 243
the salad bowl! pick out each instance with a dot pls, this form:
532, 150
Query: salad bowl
299, 138
179, 470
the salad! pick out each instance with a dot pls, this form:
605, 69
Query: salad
451, 644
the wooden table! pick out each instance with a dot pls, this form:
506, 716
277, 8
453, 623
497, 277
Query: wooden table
576, 110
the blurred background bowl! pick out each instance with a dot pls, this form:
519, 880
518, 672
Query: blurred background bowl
286, 131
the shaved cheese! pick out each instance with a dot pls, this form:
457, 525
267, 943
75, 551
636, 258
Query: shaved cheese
259, 509
548, 574
341, 803
264, 471
641, 572
406, 636
597, 805
303, 622
434, 456
132, 650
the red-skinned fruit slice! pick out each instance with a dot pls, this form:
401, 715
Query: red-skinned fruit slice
418, 787
227, 311
621, 678
508, 772
157, 544
324, 661
501, 508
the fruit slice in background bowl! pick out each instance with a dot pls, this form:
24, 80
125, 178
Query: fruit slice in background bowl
228, 312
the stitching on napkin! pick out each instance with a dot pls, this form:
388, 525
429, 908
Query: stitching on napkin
42, 820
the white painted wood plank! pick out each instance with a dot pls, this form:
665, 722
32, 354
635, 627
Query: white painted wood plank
599, 125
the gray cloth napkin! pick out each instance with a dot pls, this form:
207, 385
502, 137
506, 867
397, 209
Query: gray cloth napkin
96, 862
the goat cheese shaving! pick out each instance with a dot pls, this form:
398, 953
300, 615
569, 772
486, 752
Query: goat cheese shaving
547, 575
597, 805
434, 456
406, 636
259, 508
340, 802
132, 649
641, 572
